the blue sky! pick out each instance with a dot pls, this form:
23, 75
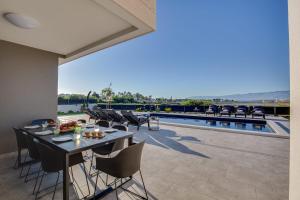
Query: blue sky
200, 47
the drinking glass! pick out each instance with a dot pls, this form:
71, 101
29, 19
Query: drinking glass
77, 133
56, 132
45, 125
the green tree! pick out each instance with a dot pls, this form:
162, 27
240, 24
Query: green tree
196, 102
124, 97
138, 97
107, 94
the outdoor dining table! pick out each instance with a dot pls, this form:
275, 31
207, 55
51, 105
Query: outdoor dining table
76, 146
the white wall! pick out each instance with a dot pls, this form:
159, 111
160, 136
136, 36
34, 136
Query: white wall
294, 36
28, 88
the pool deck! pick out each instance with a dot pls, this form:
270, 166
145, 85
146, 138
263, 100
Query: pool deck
184, 163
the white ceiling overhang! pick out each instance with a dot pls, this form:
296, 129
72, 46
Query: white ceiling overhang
72, 28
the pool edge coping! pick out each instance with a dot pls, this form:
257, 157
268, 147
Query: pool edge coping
234, 131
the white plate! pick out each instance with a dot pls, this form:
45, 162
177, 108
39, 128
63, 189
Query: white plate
47, 132
61, 139
32, 127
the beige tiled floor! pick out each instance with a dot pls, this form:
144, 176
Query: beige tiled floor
183, 163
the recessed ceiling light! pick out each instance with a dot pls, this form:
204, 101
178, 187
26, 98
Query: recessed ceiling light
21, 21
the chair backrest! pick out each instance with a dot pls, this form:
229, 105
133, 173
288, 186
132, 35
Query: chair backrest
103, 123
120, 127
32, 148
51, 159
42, 121
130, 116
127, 162
119, 144
21, 139
83, 121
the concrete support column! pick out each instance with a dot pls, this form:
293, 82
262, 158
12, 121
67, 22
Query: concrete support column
294, 37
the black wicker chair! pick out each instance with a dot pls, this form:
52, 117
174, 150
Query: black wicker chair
52, 162
21, 145
125, 164
103, 123
33, 154
106, 150
120, 127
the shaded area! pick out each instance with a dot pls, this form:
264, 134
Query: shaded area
170, 140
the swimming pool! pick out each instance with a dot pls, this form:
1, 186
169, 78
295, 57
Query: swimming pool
218, 122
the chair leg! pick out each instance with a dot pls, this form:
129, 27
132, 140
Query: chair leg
72, 175
16, 163
25, 181
92, 160
55, 185
38, 190
116, 189
37, 178
18, 160
106, 179
143, 184
23, 165
96, 184
19, 157
86, 155
86, 178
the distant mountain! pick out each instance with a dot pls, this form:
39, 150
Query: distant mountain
279, 95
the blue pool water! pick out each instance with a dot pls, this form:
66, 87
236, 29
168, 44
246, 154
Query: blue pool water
258, 126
